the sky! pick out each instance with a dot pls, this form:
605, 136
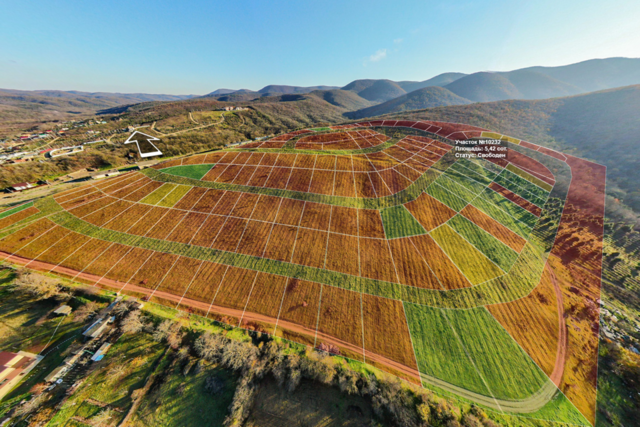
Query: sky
195, 47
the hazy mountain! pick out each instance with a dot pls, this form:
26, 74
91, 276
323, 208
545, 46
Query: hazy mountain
277, 89
596, 74
21, 107
375, 90
383, 90
237, 96
107, 97
221, 92
525, 83
484, 87
548, 82
439, 80
535, 85
519, 84
343, 98
432, 96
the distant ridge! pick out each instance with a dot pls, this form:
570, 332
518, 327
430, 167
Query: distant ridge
439, 80
221, 92
283, 89
427, 97
375, 90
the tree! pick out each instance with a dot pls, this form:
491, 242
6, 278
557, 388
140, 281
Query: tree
175, 336
85, 311
103, 418
469, 420
31, 405
170, 332
116, 371
237, 355
38, 286
242, 401
133, 323
295, 375
347, 382
122, 307
209, 346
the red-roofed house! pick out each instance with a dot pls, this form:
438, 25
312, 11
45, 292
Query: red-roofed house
13, 367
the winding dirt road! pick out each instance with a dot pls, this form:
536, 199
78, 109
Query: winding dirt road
528, 405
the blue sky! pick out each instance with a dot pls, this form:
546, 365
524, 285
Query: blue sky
195, 47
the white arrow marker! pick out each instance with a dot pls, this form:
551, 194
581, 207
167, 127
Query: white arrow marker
144, 137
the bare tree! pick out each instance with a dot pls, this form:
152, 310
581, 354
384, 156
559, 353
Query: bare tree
89, 290
102, 419
85, 311
237, 355
295, 375
133, 323
242, 401
39, 286
347, 382
175, 336
209, 346
116, 371
161, 331
31, 405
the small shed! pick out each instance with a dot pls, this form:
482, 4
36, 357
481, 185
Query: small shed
101, 352
56, 374
72, 359
96, 329
63, 310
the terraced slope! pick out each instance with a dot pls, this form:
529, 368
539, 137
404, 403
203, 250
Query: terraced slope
371, 238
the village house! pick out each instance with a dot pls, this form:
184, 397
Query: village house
13, 367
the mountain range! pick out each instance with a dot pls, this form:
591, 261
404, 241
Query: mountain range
458, 89
358, 99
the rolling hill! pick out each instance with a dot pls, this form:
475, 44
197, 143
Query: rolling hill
519, 84
439, 80
283, 89
21, 108
427, 97
375, 90
596, 74
548, 82
525, 83
343, 99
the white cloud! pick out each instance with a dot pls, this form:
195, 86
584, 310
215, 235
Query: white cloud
398, 41
378, 56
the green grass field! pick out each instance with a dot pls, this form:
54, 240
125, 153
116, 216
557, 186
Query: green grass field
452, 186
15, 210
491, 247
511, 208
398, 222
465, 180
469, 348
183, 401
448, 198
189, 171
502, 217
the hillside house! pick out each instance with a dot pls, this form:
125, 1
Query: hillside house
21, 186
13, 367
